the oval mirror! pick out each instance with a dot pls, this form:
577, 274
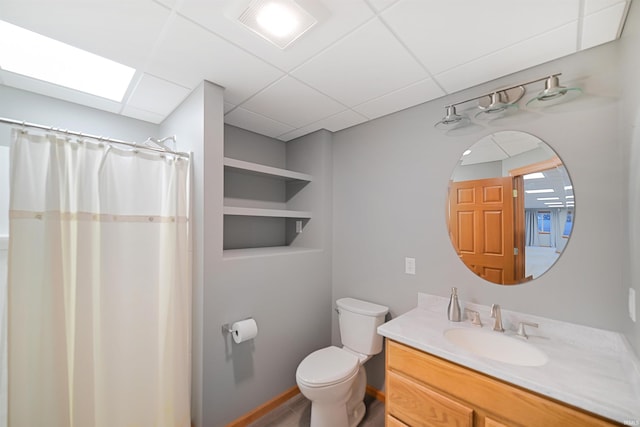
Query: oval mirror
510, 208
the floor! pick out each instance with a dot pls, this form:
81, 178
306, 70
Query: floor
296, 412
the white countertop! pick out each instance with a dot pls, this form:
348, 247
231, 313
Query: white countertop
589, 368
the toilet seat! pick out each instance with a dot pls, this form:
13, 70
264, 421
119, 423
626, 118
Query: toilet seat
327, 366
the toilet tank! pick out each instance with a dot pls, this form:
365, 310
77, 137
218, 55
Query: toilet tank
359, 321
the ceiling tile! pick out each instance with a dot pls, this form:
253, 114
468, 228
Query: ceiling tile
121, 30
143, 115
409, 96
336, 18
528, 53
334, 123
342, 120
481, 28
289, 101
249, 120
381, 4
602, 26
228, 107
366, 64
593, 6
157, 96
189, 54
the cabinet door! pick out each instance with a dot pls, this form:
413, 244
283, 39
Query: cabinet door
418, 406
394, 422
488, 422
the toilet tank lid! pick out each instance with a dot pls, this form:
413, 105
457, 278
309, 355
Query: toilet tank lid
362, 307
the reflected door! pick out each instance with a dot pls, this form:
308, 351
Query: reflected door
481, 225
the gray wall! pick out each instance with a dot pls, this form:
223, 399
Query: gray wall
198, 124
390, 184
288, 295
630, 134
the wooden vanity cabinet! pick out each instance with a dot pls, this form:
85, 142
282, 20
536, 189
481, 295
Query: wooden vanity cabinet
425, 390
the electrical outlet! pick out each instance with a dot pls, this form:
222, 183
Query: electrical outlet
410, 265
298, 226
632, 304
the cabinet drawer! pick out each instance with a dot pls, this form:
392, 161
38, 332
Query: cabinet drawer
418, 406
484, 393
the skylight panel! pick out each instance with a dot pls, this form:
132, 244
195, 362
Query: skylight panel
30, 54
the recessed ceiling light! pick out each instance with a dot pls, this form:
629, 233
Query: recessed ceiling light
535, 175
466, 152
544, 190
39, 57
278, 21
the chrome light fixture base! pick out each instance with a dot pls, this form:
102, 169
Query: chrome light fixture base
452, 120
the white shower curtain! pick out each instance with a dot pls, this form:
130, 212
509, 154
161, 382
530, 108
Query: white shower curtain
99, 286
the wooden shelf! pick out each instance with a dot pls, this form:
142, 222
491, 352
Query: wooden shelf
274, 213
262, 170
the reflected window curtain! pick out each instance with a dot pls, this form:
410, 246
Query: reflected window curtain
556, 231
99, 286
559, 221
531, 227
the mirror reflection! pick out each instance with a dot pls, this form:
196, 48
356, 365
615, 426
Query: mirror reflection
510, 207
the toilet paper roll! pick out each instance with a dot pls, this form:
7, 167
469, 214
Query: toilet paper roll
244, 330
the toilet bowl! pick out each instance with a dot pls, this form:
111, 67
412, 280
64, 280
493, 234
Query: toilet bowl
326, 377
333, 378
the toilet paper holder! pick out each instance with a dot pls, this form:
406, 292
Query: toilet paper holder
227, 327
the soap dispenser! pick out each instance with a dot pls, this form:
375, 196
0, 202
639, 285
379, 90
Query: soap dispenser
453, 312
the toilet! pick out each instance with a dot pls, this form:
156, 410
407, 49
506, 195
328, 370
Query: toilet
334, 378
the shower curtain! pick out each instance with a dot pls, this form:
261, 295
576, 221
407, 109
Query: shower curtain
99, 285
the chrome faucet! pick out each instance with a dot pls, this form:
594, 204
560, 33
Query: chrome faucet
474, 316
495, 313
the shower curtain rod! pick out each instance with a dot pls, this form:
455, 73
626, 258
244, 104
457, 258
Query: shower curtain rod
97, 138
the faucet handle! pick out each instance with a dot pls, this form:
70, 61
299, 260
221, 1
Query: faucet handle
521, 331
474, 316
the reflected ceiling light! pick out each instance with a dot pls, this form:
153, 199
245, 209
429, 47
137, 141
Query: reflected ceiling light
543, 190
568, 187
278, 21
535, 175
553, 93
548, 198
502, 101
568, 197
452, 119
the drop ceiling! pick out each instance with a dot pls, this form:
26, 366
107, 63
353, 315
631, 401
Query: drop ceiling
365, 59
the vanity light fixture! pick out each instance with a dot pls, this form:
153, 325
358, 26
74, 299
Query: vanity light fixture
500, 102
553, 93
452, 119
279, 21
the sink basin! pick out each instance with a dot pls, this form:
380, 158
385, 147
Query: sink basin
496, 346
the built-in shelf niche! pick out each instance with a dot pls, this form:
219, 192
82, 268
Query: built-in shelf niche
256, 211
